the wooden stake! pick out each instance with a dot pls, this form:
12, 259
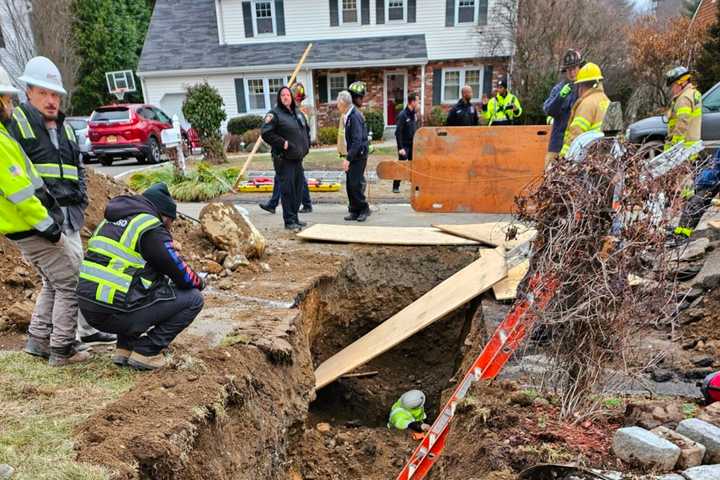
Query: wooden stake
361, 374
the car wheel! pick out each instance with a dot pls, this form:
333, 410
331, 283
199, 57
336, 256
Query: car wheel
153, 155
651, 149
106, 161
142, 159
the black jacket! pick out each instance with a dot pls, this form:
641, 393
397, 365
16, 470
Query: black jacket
356, 135
405, 127
282, 124
68, 193
463, 114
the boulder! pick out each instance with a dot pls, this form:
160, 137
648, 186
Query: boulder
706, 472
705, 433
231, 230
670, 476
711, 413
233, 262
653, 413
20, 313
636, 445
691, 452
211, 266
694, 250
709, 275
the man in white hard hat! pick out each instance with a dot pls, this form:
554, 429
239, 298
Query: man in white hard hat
408, 413
32, 219
39, 127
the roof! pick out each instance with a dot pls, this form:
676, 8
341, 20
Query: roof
183, 35
706, 12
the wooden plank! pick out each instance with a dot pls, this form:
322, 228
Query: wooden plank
381, 235
506, 289
451, 294
395, 170
492, 233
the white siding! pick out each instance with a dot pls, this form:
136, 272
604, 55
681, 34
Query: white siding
307, 20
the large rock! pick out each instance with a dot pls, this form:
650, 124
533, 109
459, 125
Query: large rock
636, 445
670, 476
711, 413
653, 413
691, 452
709, 276
706, 472
230, 230
705, 433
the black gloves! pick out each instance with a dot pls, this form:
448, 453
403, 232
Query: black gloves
52, 234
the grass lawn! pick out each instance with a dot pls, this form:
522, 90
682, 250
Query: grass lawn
315, 160
41, 405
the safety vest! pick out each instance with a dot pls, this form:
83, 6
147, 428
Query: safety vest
401, 417
20, 209
587, 115
113, 265
496, 109
685, 118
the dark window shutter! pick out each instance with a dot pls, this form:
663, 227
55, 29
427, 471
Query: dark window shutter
488, 79
334, 13
483, 13
380, 12
411, 11
351, 77
247, 18
437, 86
240, 95
365, 12
280, 16
449, 13
323, 88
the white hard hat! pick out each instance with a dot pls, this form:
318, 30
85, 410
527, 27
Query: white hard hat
412, 399
6, 86
42, 72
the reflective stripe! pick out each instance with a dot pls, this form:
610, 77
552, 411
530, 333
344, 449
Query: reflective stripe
53, 170
21, 195
95, 272
582, 123
135, 229
684, 231
43, 225
111, 249
684, 111
23, 123
70, 133
105, 293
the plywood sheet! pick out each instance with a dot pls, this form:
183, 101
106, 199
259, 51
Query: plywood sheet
492, 233
506, 289
382, 235
454, 292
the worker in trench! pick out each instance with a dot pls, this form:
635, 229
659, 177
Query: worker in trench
133, 281
405, 128
356, 140
464, 113
408, 413
504, 108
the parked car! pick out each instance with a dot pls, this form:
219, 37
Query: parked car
80, 126
129, 130
651, 132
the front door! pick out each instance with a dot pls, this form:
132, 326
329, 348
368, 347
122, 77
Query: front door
395, 95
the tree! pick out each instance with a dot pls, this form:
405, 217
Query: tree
204, 109
689, 7
108, 36
16, 35
708, 63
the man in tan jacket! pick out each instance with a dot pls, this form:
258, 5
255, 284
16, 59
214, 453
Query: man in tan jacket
685, 115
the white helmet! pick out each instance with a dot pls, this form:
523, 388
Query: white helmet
42, 72
6, 86
412, 399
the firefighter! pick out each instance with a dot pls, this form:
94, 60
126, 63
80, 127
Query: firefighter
31, 218
685, 115
588, 113
504, 108
356, 139
409, 412
463, 113
405, 127
125, 278
560, 102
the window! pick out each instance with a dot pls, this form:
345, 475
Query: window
454, 80
274, 86
261, 93
711, 102
256, 94
336, 84
465, 11
396, 10
264, 17
162, 116
349, 11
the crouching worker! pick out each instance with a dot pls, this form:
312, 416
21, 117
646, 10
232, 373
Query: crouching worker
134, 283
409, 413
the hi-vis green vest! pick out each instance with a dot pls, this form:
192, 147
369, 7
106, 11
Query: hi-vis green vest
401, 417
497, 111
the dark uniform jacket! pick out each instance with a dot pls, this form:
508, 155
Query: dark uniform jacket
559, 109
356, 135
463, 114
60, 168
282, 124
405, 127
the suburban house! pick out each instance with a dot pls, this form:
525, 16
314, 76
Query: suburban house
248, 49
706, 13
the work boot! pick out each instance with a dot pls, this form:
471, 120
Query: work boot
143, 362
306, 209
267, 208
80, 346
302, 224
99, 338
39, 347
352, 217
120, 356
363, 216
67, 355
293, 227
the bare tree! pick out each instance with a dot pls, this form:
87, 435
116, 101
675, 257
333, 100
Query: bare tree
17, 35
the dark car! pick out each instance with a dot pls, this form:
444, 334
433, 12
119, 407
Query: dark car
651, 132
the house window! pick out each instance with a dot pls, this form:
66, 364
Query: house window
349, 11
453, 81
466, 11
262, 92
336, 84
396, 10
264, 17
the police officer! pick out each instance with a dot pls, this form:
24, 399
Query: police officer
39, 126
463, 113
30, 217
287, 131
405, 127
503, 108
356, 139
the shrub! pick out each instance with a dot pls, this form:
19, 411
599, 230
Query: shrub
232, 143
328, 135
376, 123
250, 137
140, 181
204, 109
437, 117
240, 125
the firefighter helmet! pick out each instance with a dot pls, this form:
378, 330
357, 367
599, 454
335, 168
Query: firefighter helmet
677, 73
590, 72
572, 58
357, 89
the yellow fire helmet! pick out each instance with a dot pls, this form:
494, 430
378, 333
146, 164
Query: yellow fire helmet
589, 73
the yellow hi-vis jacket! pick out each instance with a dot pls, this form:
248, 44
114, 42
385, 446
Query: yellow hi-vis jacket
685, 118
500, 109
401, 417
20, 209
587, 115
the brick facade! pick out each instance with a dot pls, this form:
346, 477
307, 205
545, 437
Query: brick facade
707, 13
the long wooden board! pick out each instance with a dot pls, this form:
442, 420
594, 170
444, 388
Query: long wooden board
381, 235
492, 233
506, 289
454, 292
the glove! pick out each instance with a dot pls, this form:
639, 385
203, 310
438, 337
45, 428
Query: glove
565, 91
203, 283
687, 192
52, 234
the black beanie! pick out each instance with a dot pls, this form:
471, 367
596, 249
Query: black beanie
160, 196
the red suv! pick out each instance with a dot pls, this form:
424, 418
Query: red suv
129, 130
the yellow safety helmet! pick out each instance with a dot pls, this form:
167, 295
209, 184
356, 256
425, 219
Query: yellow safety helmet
589, 73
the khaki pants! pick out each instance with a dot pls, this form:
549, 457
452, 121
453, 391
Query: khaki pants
56, 310
75, 243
